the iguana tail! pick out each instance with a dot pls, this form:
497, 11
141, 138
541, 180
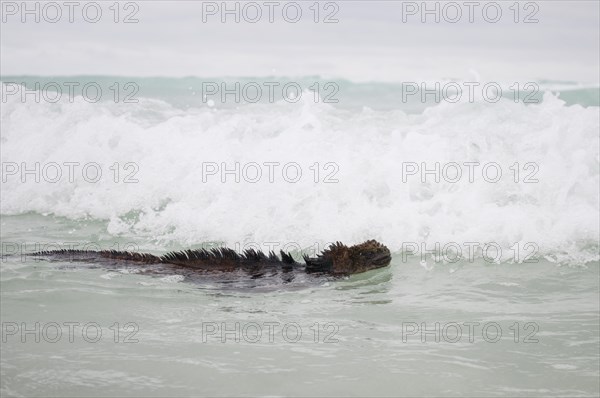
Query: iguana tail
98, 256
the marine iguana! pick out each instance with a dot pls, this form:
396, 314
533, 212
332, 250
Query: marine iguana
337, 260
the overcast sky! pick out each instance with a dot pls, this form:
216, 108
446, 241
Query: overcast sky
370, 42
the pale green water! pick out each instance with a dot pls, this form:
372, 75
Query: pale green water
367, 356
195, 92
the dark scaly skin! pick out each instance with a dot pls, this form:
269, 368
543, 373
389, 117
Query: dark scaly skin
337, 260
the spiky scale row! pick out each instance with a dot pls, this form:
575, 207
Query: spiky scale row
199, 257
225, 254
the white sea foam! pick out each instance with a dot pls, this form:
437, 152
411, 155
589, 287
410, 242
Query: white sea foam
171, 203
172, 278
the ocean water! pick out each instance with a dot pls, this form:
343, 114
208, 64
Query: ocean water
491, 210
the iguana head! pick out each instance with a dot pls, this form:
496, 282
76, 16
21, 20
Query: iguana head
339, 259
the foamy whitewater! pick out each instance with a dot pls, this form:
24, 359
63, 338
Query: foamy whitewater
529, 290
370, 177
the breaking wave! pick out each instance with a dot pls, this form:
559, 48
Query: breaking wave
310, 172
